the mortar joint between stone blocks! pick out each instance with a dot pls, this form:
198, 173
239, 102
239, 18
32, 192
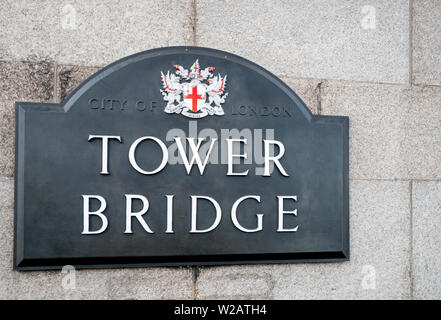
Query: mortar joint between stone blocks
411, 240
411, 80
193, 21
195, 275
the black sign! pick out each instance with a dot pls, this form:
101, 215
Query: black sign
179, 156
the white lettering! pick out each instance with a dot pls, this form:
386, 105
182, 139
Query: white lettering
194, 151
87, 214
231, 157
132, 155
275, 159
105, 152
138, 215
194, 209
282, 212
234, 215
169, 214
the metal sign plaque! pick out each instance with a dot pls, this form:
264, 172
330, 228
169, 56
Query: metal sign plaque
179, 156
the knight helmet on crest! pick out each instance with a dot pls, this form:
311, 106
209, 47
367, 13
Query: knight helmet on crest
187, 91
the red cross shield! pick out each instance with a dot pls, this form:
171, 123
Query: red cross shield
194, 96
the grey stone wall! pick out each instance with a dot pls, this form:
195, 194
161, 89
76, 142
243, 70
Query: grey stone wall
377, 61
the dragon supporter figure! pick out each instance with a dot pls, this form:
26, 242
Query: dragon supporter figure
186, 91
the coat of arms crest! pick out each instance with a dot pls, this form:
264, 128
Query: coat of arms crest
195, 93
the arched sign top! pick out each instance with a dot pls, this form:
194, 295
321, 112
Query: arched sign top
179, 156
165, 58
